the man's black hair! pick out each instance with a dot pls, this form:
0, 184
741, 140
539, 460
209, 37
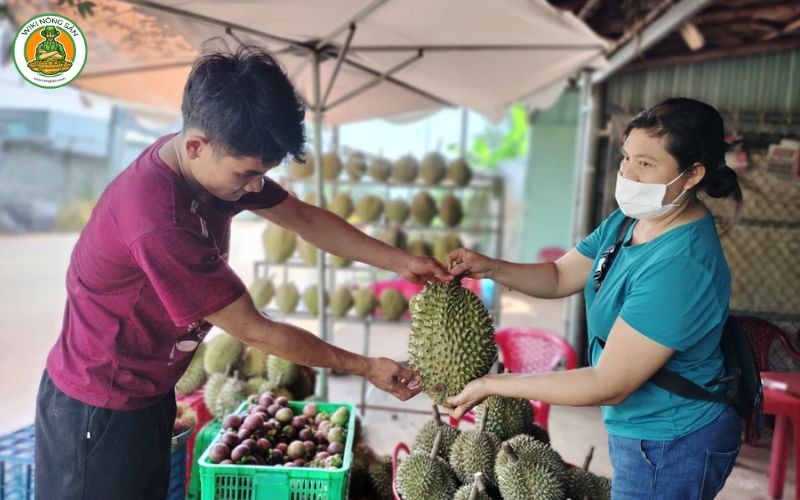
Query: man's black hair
246, 105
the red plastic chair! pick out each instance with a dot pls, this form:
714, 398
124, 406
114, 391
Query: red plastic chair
532, 350
762, 334
786, 408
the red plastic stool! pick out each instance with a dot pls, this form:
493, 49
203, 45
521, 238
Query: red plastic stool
785, 405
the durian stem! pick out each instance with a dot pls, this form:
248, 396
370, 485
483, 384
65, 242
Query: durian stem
437, 417
437, 442
509, 450
479, 484
484, 418
588, 459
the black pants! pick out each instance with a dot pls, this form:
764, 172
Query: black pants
88, 453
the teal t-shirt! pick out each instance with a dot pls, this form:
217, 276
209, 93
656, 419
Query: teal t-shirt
673, 289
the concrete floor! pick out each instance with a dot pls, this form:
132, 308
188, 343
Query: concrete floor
32, 299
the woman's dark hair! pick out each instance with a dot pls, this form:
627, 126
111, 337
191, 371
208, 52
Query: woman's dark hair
695, 134
246, 105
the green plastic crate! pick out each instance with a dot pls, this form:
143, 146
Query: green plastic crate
205, 436
258, 482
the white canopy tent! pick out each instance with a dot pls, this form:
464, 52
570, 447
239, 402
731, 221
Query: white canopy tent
350, 60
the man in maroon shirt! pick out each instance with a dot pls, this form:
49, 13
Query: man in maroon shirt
149, 276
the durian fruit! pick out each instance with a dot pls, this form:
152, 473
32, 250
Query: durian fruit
355, 166
340, 262
363, 456
311, 299
420, 247
212, 389
539, 433
444, 245
423, 208
423, 442
364, 301
380, 478
433, 169
232, 393
342, 205
307, 252
450, 211
476, 490
195, 375
393, 304
281, 371
397, 211
380, 169
279, 243
341, 302
506, 417
426, 477
369, 208
331, 166
304, 383
527, 468
261, 291
474, 451
222, 353
405, 169
302, 170
256, 385
580, 484
287, 298
452, 338
394, 236
254, 362
459, 172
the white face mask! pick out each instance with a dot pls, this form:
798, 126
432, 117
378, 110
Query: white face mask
640, 200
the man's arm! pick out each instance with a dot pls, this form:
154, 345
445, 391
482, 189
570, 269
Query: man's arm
242, 320
333, 234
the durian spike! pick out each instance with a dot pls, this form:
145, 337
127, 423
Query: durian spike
509, 450
437, 417
437, 443
477, 486
588, 459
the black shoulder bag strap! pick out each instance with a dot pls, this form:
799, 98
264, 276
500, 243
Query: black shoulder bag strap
666, 379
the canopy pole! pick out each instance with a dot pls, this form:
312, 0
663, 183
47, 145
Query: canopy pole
322, 378
464, 126
584, 183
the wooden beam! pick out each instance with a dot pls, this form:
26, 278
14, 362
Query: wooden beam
637, 28
710, 55
779, 13
790, 26
588, 9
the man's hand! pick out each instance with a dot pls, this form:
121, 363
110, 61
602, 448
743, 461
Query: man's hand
420, 270
389, 376
471, 264
472, 395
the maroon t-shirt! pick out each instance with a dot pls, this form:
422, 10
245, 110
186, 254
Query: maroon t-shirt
147, 268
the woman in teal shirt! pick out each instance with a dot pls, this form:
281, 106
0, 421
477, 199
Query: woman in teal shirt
662, 304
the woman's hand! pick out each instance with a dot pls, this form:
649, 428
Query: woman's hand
390, 376
472, 264
472, 395
420, 270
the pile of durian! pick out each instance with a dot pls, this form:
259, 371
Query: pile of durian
506, 456
361, 301
432, 170
231, 371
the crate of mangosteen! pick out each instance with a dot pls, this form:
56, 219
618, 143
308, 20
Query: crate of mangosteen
272, 448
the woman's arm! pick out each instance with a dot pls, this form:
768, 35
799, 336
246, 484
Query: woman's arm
548, 280
628, 360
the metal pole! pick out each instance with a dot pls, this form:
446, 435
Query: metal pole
584, 183
322, 390
464, 127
